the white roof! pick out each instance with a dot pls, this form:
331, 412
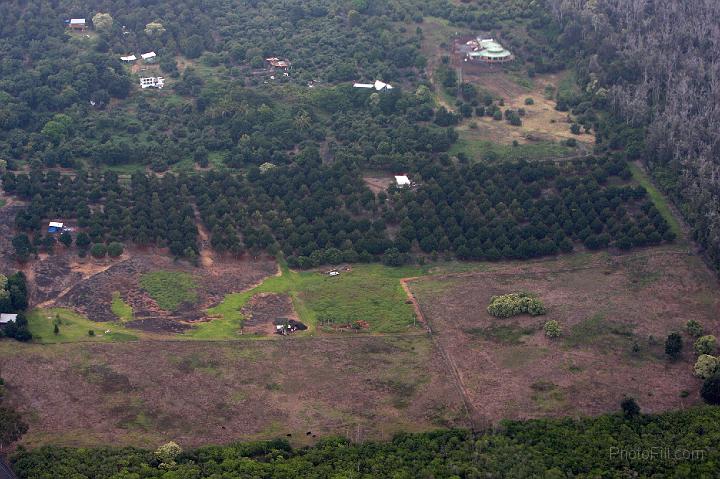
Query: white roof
77, 21
147, 55
402, 180
382, 85
378, 85
55, 224
6, 318
131, 58
363, 85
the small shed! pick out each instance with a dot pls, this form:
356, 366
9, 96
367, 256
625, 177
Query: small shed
55, 226
148, 57
7, 318
129, 58
78, 24
402, 180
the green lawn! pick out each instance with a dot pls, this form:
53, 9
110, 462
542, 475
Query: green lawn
484, 150
371, 293
657, 198
170, 288
73, 327
121, 309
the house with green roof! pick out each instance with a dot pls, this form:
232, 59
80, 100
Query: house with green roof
487, 51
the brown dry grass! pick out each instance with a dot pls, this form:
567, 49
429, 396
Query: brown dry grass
198, 393
604, 304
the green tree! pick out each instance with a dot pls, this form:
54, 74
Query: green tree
66, 239
630, 408
102, 22
154, 29
706, 366
673, 345
552, 329
694, 328
98, 250
710, 391
115, 249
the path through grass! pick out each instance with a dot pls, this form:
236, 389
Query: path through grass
658, 199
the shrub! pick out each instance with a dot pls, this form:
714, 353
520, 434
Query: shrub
710, 391
513, 304
706, 366
694, 328
529, 101
673, 345
552, 329
706, 345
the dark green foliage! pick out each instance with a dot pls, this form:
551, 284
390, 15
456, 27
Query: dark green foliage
710, 391
673, 345
538, 448
630, 408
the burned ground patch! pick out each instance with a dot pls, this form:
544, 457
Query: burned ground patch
264, 310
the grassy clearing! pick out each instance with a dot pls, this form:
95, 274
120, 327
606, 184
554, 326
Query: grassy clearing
170, 288
73, 327
657, 198
503, 333
598, 331
486, 150
371, 293
121, 309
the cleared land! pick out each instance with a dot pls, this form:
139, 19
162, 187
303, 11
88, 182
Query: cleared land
145, 393
605, 305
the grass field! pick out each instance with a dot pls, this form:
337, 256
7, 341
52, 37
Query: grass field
480, 150
369, 293
170, 289
658, 199
121, 309
73, 327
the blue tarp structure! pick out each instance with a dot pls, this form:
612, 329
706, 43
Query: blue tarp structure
52, 229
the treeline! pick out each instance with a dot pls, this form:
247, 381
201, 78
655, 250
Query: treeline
316, 214
14, 300
677, 444
654, 67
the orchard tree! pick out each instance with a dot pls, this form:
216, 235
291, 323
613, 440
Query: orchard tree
98, 250
673, 345
115, 249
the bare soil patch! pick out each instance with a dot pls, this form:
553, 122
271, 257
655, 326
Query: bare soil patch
146, 393
605, 305
378, 183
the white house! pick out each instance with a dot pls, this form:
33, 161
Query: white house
152, 82
77, 24
402, 181
149, 56
7, 318
130, 58
378, 86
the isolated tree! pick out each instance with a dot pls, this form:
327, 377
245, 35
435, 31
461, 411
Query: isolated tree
56, 329
706, 345
706, 366
103, 22
673, 345
694, 328
167, 454
12, 426
629, 407
83, 240
552, 329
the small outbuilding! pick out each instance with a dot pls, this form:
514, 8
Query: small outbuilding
77, 24
129, 58
152, 82
148, 57
377, 86
402, 181
6, 318
55, 227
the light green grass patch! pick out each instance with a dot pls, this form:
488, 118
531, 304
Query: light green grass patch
483, 150
121, 309
657, 198
170, 289
73, 327
371, 293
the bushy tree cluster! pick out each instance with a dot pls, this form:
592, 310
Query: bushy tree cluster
513, 304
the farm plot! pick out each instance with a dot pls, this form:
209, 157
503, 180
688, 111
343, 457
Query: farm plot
615, 313
145, 393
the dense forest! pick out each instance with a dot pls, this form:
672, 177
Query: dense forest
654, 67
679, 444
